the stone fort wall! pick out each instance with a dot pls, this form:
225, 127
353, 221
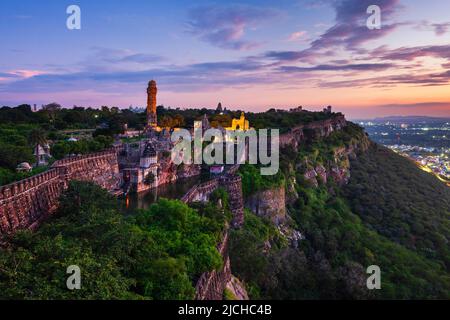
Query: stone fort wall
26, 203
101, 168
232, 184
211, 285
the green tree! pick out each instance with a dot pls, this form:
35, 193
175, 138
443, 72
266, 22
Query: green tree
158, 253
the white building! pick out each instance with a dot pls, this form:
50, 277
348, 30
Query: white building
44, 154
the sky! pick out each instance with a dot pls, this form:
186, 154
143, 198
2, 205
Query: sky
250, 55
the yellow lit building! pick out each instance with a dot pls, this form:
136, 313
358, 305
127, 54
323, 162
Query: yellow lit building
239, 124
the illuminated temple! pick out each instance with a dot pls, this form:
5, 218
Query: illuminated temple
239, 124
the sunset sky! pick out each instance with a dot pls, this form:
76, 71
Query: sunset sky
251, 55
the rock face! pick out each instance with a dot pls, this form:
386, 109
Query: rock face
338, 169
310, 176
313, 130
188, 171
340, 174
270, 204
291, 234
237, 289
321, 173
24, 204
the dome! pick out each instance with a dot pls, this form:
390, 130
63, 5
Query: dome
24, 166
152, 83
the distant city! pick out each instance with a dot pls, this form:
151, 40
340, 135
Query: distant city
425, 140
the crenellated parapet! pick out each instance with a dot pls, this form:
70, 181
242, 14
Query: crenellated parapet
201, 192
26, 203
107, 154
101, 168
211, 285
232, 183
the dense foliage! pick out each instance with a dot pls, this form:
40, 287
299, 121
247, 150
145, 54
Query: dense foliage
405, 204
391, 214
155, 254
260, 256
63, 148
253, 181
21, 130
53, 117
343, 246
14, 149
14, 145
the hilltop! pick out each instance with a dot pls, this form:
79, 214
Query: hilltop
354, 204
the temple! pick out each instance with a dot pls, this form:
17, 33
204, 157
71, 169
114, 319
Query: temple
239, 124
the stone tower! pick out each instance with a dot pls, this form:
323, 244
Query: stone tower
152, 90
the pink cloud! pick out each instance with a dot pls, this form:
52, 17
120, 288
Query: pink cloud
296, 36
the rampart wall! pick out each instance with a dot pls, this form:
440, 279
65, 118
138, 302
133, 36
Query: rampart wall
24, 204
211, 285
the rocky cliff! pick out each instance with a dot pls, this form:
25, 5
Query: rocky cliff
336, 164
311, 131
337, 167
270, 204
312, 155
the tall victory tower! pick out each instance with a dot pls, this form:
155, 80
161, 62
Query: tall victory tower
152, 90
